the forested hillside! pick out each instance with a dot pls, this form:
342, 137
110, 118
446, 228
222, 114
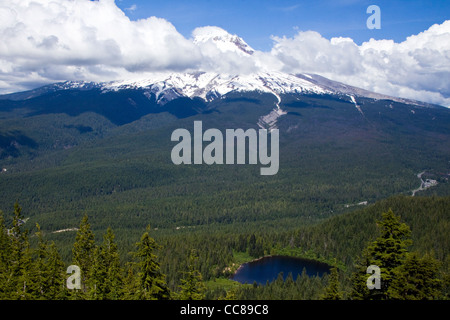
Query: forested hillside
196, 263
81, 167
332, 159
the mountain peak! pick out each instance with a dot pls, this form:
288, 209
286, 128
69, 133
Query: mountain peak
222, 39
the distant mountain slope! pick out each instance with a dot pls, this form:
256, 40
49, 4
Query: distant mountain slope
182, 95
208, 86
104, 147
107, 152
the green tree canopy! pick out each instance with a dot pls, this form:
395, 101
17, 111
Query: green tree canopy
404, 275
106, 275
83, 251
152, 284
192, 286
332, 291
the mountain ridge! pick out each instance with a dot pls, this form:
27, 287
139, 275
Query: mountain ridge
209, 85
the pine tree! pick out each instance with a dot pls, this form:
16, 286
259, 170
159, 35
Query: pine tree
15, 259
192, 286
416, 279
83, 254
27, 284
387, 252
56, 272
5, 260
114, 273
95, 280
50, 276
230, 294
255, 247
152, 284
16, 239
359, 290
131, 283
21, 284
332, 291
40, 263
289, 288
106, 280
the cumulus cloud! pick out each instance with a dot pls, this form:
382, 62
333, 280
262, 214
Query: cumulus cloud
310, 52
43, 41
224, 52
417, 68
59, 40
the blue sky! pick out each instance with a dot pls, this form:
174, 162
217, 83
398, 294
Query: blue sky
257, 20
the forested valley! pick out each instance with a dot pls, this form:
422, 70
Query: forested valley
103, 195
406, 236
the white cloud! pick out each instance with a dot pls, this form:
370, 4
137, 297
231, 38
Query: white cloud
64, 39
417, 68
224, 52
310, 52
43, 41
133, 7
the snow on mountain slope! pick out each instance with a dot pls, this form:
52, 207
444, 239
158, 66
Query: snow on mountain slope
206, 85
212, 85
349, 90
209, 86
352, 98
222, 39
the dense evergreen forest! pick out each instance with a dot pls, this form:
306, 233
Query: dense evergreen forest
407, 237
98, 190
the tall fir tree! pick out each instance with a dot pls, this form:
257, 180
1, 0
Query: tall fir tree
388, 252
106, 277
21, 278
416, 279
15, 259
333, 291
83, 255
131, 283
192, 286
57, 274
152, 283
5, 259
50, 275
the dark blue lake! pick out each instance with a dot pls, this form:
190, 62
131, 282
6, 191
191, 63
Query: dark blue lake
268, 268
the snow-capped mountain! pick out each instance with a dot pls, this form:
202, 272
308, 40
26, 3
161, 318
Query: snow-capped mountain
166, 87
208, 86
223, 40
212, 85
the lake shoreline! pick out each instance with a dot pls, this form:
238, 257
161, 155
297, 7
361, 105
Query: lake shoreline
254, 260
304, 263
